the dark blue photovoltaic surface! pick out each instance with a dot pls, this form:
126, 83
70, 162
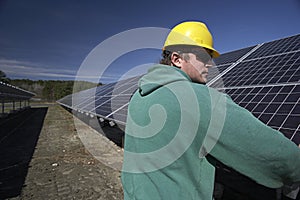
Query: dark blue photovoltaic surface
12, 93
284, 45
231, 57
277, 106
283, 68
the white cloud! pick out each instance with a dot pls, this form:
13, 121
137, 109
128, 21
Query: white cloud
15, 68
28, 70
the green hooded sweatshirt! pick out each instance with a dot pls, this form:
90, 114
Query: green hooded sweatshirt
173, 123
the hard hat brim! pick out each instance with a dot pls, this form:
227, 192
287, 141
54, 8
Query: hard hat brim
214, 53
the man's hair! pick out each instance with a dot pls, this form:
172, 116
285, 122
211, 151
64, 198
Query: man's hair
183, 51
166, 57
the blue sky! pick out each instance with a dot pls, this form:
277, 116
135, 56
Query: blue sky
51, 39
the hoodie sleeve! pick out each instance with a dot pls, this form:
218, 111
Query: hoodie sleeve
256, 150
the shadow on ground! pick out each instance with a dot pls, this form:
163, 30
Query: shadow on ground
19, 134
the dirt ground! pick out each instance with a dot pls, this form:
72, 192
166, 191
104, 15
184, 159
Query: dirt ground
44, 155
45, 159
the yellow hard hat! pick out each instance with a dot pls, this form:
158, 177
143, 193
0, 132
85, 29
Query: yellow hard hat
191, 33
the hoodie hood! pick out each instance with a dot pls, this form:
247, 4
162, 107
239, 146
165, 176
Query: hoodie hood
160, 75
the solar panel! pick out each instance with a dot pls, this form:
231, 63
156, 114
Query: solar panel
98, 96
9, 93
66, 101
232, 56
266, 82
276, 105
216, 70
120, 114
289, 44
105, 101
283, 68
263, 79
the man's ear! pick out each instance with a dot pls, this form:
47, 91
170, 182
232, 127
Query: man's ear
176, 60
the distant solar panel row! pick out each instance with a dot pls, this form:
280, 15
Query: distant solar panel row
265, 79
11, 93
108, 101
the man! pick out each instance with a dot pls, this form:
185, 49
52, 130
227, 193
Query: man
177, 126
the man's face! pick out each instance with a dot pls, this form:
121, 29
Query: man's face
196, 69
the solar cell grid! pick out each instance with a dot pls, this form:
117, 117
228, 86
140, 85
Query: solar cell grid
102, 90
218, 84
232, 56
115, 105
66, 100
120, 114
78, 101
121, 89
263, 71
96, 102
276, 106
103, 94
83, 100
111, 105
120, 100
126, 86
10, 93
279, 46
216, 70
104, 109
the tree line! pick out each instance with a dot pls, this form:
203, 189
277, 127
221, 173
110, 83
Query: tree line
48, 90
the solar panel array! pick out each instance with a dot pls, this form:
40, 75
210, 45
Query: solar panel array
265, 79
107, 102
10, 93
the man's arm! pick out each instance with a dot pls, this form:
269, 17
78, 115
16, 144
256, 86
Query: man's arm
256, 150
